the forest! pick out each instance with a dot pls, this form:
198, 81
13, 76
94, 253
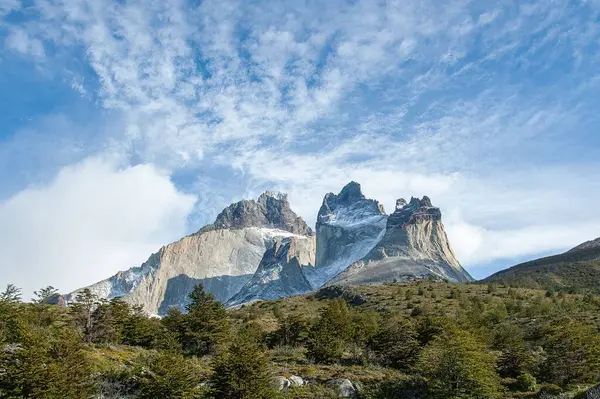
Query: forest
404, 340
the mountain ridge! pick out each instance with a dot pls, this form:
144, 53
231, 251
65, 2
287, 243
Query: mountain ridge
577, 269
261, 250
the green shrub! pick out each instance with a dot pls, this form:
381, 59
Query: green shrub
241, 371
526, 383
328, 336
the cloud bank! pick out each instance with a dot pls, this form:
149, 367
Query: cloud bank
91, 219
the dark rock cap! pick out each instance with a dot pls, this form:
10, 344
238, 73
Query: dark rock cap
351, 195
271, 210
416, 211
351, 192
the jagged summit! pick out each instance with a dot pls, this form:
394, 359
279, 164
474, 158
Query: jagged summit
222, 256
414, 212
349, 203
414, 246
271, 210
351, 192
348, 226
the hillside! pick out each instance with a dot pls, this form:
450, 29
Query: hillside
577, 270
418, 340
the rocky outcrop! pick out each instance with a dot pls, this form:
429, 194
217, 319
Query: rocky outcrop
281, 272
414, 246
223, 257
348, 226
271, 210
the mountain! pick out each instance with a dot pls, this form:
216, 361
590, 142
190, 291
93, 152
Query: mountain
281, 272
261, 250
222, 256
575, 270
348, 226
414, 246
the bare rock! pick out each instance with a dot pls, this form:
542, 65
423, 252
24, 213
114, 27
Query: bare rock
344, 386
296, 381
414, 247
280, 383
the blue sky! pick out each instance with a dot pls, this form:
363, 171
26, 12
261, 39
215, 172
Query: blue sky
127, 124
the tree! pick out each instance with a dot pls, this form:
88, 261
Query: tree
328, 336
397, 345
204, 328
573, 354
168, 375
241, 371
292, 331
456, 365
515, 359
47, 363
11, 294
47, 295
12, 320
82, 310
139, 330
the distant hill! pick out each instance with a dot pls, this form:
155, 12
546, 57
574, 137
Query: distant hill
576, 270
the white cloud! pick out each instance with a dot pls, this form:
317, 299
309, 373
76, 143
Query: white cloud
92, 220
7, 6
20, 41
408, 98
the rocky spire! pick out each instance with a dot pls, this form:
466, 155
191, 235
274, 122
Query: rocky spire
350, 196
271, 210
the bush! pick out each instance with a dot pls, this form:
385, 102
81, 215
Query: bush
526, 383
396, 345
456, 365
241, 371
573, 354
167, 375
292, 331
396, 389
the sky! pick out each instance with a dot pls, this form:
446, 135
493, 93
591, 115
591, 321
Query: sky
127, 124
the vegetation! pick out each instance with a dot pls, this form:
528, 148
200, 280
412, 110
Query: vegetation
420, 340
576, 271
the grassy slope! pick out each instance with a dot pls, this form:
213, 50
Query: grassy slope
535, 312
577, 271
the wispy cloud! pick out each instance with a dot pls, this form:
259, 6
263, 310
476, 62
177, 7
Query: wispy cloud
488, 107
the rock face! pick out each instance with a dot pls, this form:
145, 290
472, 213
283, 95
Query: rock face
223, 257
271, 210
348, 226
414, 246
281, 272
